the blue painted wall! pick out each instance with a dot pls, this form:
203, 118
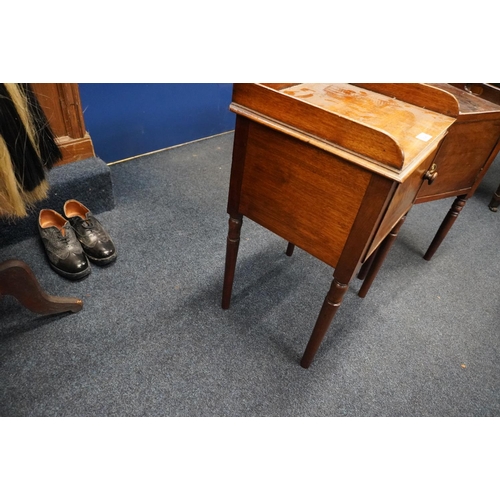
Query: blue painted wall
129, 119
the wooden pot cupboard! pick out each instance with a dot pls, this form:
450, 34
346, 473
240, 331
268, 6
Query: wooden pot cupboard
491, 93
471, 145
335, 168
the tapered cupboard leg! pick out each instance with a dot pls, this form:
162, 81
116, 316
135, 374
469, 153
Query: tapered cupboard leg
495, 201
18, 280
233, 243
330, 306
289, 249
379, 258
448, 221
366, 266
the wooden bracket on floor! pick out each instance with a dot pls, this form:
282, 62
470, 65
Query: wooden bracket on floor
18, 280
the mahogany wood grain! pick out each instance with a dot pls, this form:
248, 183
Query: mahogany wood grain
238, 164
473, 105
348, 116
317, 121
486, 91
292, 173
466, 153
18, 280
300, 193
369, 219
418, 94
470, 148
401, 121
402, 200
463, 155
485, 168
490, 93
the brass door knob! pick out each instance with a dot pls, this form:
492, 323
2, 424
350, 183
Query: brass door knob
431, 174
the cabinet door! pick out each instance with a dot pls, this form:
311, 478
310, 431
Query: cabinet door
464, 154
62, 106
403, 199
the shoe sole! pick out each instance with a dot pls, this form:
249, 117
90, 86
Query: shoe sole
102, 262
71, 276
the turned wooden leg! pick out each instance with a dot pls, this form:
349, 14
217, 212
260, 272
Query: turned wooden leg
448, 221
330, 306
380, 255
18, 280
233, 243
289, 249
366, 266
495, 201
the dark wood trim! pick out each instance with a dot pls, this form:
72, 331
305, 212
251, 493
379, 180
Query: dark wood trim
375, 202
62, 106
238, 163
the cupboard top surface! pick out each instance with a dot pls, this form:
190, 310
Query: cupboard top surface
410, 126
391, 132
470, 103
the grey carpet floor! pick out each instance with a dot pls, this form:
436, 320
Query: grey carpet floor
152, 339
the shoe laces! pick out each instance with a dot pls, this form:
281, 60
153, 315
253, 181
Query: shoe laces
63, 237
88, 223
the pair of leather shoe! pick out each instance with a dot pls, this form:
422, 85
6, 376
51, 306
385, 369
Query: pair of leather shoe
71, 241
